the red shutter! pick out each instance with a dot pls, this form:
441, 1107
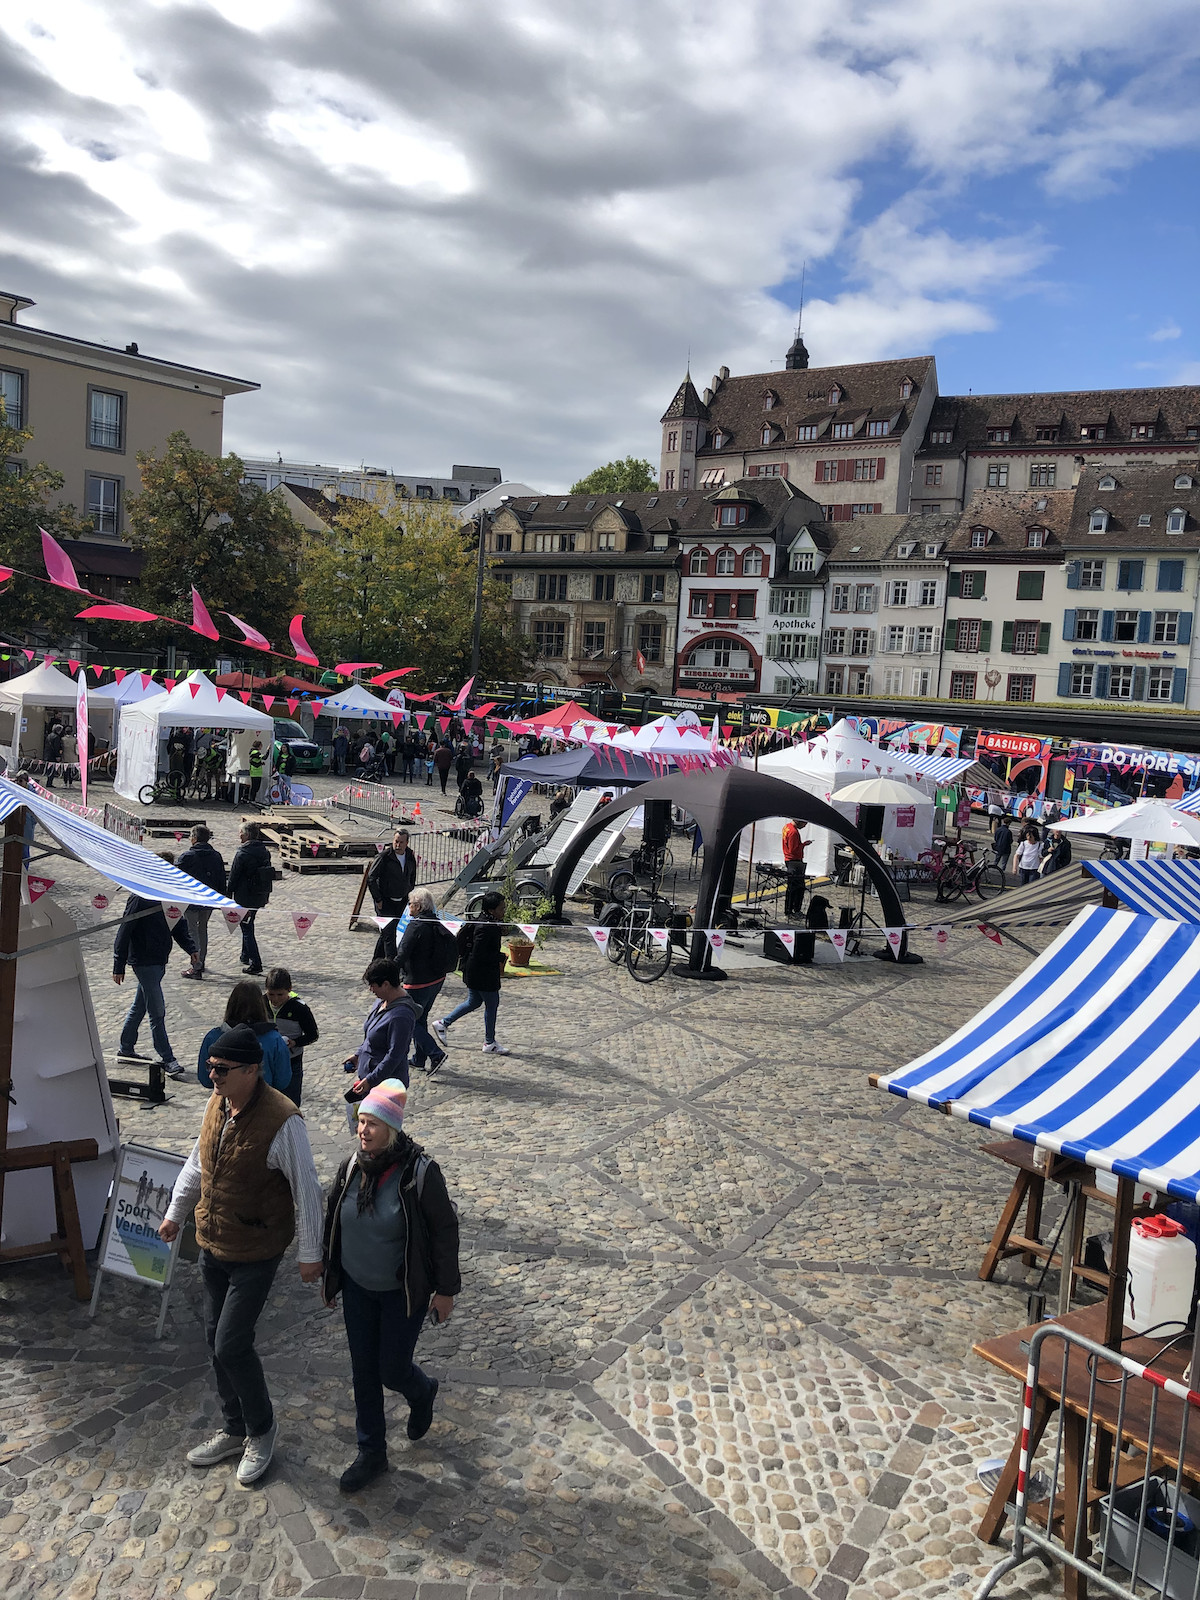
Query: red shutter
783, 471
878, 509
880, 465
845, 469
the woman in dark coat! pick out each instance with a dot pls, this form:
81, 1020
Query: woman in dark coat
482, 965
391, 1251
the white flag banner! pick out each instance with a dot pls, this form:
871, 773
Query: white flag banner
233, 917
172, 913
661, 936
453, 926
941, 934
601, 937
837, 938
99, 907
302, 921
895, 938
787, 938
530, 930
715, 937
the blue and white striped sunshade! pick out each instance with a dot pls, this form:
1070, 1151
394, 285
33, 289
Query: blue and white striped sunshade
128, 864
1158, 888
1094, 1051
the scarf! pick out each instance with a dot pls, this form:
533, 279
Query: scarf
372, 1170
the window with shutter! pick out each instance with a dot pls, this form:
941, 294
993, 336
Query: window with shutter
1107, 620
1184, 635
1068, 625
1006, 638
1064, 678
985, 637
1145, 622
1043, 648
1179, 687
954, 584
1101, 682
952, 635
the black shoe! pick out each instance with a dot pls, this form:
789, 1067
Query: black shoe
361, 1471
253, 971
132, 1055
433, 1066
420, 1418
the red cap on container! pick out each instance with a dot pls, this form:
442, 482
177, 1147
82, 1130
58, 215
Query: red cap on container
1158, 1227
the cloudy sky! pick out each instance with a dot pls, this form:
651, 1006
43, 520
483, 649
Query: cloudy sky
456, 230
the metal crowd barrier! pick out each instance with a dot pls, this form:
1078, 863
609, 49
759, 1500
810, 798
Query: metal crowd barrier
121, 822
1101, 1489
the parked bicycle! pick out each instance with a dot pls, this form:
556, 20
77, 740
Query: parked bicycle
962, 877
646, 954
647, 861
168, 787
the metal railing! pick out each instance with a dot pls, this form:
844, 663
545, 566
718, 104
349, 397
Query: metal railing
1104, 1459
377, 802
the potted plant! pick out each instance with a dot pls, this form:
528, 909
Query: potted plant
521, 948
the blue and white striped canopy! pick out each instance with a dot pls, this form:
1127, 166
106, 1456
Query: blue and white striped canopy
942, 769
1158, 888
1190, 802
131, 865
1094, 1051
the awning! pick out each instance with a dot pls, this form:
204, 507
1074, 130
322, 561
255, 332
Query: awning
1158, 888
1053, 899
126, 863
1093, 1052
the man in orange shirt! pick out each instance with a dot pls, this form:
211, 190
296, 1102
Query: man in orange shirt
793, 859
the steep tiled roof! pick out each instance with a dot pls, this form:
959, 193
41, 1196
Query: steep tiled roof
318, 503
1170, 411
868, 538
869, 388
1142, 489
687, 403
1009, 514
685, 514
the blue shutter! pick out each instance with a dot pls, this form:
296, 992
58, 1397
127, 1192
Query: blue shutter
1145, 618
1068, 624
1185, 628
1101, 682
1106, 625
1179, 686
1064, 677
1137, 570
1073, 570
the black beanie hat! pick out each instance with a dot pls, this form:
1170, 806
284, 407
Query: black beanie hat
240, 1044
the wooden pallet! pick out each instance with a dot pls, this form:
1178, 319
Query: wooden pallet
321, 864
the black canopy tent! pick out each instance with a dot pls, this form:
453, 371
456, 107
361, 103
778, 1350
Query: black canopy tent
724, 801
585, 768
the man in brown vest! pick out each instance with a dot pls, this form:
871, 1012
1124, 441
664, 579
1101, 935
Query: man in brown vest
252, 1180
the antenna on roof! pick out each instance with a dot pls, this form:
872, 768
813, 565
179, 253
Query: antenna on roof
800, 318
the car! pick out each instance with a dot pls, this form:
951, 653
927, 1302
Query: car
307, 753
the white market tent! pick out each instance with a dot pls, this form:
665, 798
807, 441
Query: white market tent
833, 761
133, 688
24, 698
145, 724
357, 704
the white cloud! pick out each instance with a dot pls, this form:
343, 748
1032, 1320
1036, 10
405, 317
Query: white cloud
1169, 330
452, 230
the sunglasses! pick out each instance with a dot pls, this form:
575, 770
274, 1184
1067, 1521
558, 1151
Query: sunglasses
217, 1069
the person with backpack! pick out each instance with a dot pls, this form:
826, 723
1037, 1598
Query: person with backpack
428, 953
391, 1252
1002, 843
482, 965
251, 877
295, 1022
246, 1007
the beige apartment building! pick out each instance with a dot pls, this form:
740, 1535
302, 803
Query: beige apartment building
92, 407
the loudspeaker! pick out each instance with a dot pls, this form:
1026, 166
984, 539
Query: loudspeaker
656, 822
870, 820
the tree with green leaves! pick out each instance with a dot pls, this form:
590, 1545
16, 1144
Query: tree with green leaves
27, 606
395, 582
197, 524
630, 476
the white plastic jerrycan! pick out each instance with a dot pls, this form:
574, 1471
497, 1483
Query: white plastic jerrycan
1162, 1271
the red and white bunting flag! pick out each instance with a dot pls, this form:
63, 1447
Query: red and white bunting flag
233, 917
787, 938
170, 683
715, 937
530, 930
268, 701
178, 835
147, 680
837, 938
120, 673
245, 696
98, 670
895, 938
382, 922
991, 933
422, 719
661, 936
453, 926
221, 693
99, 906
38, 887
172, 913
443, 723
293, 707
73, 664
302, 921
601, 937
195, 688
941, 934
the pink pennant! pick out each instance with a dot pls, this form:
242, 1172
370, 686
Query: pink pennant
28, 654
600, 935
172, 913
221, 693
991, 933
5, 574
396, 672
147, 680
201, 622
179, 836
58, 564
661, 936
443, 723
38, 887
195, 688
293, 707
253, 638
345, 668
461, 698
530, 930
304, 651
98, 670
268, 701
117, 613
120, 674
397, 718
422, 719
837, 939
715, 937
245, 696
233, 916
170, 683
787, 938
302, 921
73, 664
894, 937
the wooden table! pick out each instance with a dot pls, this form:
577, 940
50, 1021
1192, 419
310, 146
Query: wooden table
1090, 1321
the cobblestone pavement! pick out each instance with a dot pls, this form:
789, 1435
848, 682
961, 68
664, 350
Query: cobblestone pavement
714, 1336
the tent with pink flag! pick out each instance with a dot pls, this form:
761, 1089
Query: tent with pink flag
24, 702
194, 703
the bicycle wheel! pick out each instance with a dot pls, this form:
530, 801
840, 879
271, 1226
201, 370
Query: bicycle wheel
667, 860
646, 960
147, 794
617, 937
950, 883
622, 886
530, 894
990, 881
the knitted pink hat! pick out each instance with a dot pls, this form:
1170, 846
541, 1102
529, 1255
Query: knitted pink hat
386, 1103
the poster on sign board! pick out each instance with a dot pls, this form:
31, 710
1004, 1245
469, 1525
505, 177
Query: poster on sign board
130, 1246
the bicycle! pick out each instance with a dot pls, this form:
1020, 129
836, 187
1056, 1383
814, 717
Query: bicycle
630, 939
647, 861
169, 788
958, 878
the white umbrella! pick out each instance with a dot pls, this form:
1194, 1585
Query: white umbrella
883, 792
1150, 821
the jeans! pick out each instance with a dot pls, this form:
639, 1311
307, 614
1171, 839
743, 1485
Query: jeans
489, 999
250, 955
296, 1088
1001, 860
235, 1293
148, 1001
429, 777
1028, 874
382, 1337
339, 765
197, 921
426, 1047
407, 770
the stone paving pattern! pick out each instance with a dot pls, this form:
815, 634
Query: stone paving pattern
714, 1337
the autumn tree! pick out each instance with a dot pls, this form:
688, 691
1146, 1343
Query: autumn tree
395, 582
630, 476
26, 496
198, 524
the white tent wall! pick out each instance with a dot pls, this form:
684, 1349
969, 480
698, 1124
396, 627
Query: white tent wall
904, 843
26, 702
137, 753
141, 753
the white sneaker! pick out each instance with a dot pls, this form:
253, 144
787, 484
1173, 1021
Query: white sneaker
495, 1050
220, 1447
260, 1447
439, 1028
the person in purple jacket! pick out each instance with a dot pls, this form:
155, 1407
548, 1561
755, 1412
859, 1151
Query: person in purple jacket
387, 1034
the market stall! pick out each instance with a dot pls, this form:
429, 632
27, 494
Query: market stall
1146, 823
105, 705
895, 813
194, 703
356, 704
24, 703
